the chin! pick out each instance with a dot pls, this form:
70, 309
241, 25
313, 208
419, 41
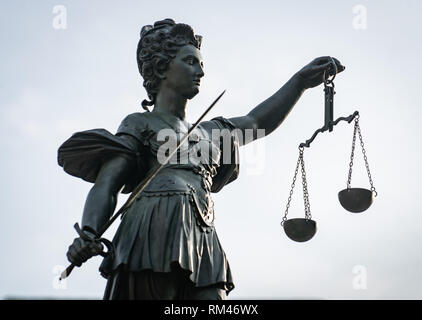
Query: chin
192, 93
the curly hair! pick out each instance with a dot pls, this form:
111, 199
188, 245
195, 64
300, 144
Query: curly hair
157, 46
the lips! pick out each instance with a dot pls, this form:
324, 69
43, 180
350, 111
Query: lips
197, 82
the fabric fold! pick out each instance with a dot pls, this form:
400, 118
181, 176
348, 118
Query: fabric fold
84, 153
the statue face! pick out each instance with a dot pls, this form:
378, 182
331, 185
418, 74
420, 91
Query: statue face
185, 72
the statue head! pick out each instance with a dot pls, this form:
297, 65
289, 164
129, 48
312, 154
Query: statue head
158, 46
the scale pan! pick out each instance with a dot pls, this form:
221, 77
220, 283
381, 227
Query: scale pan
300, 229
355, 199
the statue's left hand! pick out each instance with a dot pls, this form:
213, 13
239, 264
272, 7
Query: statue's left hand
312, 74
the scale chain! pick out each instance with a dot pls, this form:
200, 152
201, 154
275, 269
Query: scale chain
299, 160
305, 191
349, 180
366, 159
357, 130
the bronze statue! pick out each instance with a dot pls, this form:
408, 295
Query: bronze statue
166, 246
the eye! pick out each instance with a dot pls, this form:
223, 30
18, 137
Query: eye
189, 60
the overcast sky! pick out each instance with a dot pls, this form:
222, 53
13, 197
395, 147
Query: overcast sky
60, 77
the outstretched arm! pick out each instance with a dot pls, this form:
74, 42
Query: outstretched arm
269, 114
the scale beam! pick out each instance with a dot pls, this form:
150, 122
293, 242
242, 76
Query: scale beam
327, 126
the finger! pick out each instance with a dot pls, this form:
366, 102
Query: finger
80, 250
77, 243
340, 67
328, 61
74, 261
73, 257
321, 67
83, 245
84, 253
73, 253
322, 60
331, 67
96, 248
336, 61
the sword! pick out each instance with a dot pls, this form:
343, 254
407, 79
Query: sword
138, 190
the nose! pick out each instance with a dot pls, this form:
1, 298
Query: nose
200, 72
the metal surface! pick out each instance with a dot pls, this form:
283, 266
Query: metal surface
365, 158
329, 107
301, 162
305, 190
325, 128
300, 229
356, 199
329, 95
349, 178
352, 199
88, 238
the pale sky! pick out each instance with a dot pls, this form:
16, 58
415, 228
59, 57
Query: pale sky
55, 82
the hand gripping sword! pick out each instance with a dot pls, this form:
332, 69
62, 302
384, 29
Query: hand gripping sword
134, 195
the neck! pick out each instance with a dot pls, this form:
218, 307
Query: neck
171, 102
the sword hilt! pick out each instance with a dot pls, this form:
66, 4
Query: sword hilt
86, 237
